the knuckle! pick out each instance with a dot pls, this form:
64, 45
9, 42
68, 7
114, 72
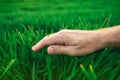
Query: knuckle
63, 34
45, 37
64, 31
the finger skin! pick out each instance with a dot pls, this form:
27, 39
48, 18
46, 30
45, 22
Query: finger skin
40, 44
48, 40
67, 50
59, 49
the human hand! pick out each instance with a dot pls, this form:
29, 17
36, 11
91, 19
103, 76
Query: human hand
71, 42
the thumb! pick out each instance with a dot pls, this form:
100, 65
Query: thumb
58, 49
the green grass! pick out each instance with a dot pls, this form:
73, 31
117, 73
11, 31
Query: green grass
23, 23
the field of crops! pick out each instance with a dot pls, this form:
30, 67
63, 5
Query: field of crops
24, 22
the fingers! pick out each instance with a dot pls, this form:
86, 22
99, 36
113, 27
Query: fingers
48, 40
68, 50
40, 44
59, 49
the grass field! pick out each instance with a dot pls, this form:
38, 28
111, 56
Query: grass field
25, 22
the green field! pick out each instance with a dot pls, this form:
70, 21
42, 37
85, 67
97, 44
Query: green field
24, 22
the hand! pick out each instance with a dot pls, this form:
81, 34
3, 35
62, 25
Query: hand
71, 42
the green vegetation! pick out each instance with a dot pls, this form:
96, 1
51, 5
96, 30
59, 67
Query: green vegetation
25, 22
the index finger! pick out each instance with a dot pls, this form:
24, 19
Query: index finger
47, 40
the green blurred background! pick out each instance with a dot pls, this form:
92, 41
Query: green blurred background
35, 12
25, 22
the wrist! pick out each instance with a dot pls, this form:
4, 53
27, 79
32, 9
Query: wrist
109, 36
103, 37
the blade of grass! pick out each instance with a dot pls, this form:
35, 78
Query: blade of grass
85, 72
33, 71
109, 18
74, 71
93, 75
48, 66
8, 66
